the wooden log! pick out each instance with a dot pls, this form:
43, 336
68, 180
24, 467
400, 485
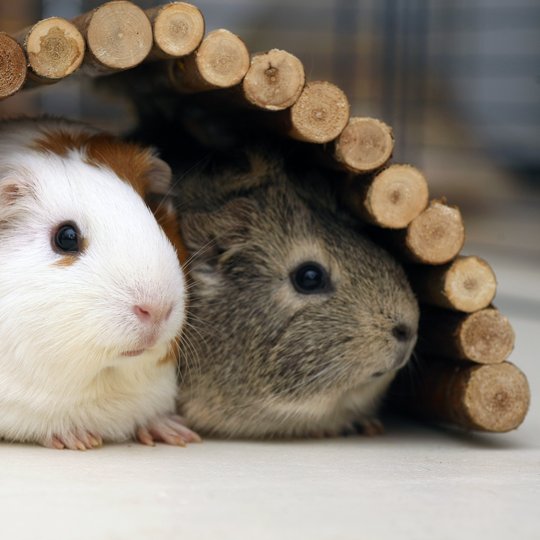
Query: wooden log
319, 115
365, 145
178, 30
118, 36
484, 337
274, 80
434, 237
12, 66
389, 199
221, 61
492, 397
467, 284
54, 48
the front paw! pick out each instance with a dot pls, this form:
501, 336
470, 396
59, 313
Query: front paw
370, 427
169, 429
74, 440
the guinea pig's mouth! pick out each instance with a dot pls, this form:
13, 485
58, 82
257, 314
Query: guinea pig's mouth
144, 345
399, 363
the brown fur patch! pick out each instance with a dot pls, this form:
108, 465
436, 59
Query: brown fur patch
170, 356
135, 165
10, 193
60, 142
127, 160
130, 162
71, 258
66, 260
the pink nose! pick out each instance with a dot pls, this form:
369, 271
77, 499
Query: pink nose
152, 314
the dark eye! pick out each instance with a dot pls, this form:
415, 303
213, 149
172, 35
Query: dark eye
310, 278
67, 238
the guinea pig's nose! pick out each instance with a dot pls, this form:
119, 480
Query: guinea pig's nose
148, 314
402, 332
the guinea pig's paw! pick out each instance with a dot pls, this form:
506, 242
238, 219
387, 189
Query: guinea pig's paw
170, 429
77, 440
324, 434
367, 426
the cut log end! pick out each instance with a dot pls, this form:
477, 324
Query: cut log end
436, 236
469, 284
178, 29
274, 80
486, 337
364, 145
492, 398
55, 48
119, 35
320, 114
496, 398
222, 59
12, 66
395, 197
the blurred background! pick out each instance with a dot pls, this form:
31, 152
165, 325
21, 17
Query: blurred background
458, 80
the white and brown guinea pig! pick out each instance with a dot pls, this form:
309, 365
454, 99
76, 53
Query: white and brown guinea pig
92, 296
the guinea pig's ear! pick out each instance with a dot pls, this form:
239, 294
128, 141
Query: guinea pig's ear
208, 235
262, 165
246, 171
156, 196
159, 175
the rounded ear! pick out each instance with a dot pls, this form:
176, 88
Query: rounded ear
157, 197
260, 169
159, 175
208, 235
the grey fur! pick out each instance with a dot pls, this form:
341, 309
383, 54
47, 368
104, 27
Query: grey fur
260, 359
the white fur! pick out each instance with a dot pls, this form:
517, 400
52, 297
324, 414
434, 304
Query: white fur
63, 329
332, 413
333, 410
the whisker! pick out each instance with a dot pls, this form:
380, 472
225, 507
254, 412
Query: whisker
203, 249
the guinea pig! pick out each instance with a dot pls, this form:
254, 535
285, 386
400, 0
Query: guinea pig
92, 295
298, 323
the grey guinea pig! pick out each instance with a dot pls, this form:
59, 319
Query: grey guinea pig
298, 323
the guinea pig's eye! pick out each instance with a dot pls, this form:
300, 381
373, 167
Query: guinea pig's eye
66, 238
310, 278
